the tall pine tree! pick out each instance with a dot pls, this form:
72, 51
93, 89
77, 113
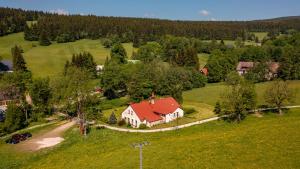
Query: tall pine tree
44, 40
19, 63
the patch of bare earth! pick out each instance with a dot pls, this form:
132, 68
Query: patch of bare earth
258, 114
45, 140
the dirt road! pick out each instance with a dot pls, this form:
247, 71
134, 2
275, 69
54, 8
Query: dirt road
48, 139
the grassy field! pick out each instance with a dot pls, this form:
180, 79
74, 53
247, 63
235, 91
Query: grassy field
261, 35
212, 92
203, 101
268, 142
49, 60
203, 57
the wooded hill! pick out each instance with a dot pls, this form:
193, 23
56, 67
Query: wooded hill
73, 27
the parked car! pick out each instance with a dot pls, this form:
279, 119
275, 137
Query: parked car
17, 138
27, 135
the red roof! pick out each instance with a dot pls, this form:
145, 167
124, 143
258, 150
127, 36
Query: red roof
151, 112
273, 66
245, 65
204, 71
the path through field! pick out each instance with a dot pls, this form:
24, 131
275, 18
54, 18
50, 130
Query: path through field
48, 139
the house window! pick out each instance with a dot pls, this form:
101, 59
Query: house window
136, 123
131, 121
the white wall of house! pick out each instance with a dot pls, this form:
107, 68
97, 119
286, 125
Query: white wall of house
242, 72
173, 116
154, 123
131, 118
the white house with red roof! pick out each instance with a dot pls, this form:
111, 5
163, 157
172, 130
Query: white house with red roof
152, 112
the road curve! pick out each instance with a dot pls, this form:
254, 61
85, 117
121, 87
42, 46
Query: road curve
181, 126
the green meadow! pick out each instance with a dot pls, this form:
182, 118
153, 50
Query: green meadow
270, 141
203, 57
261, 35
49, 60
211, 93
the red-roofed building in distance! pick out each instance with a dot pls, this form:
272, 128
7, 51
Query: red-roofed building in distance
204, 71
152, 112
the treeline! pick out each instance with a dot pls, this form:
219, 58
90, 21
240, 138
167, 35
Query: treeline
139, 30
14, 20
69, 28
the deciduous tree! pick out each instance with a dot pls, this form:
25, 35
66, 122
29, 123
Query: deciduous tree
278, 94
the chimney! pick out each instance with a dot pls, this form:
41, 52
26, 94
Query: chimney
152, 98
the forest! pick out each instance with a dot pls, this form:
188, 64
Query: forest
66, 28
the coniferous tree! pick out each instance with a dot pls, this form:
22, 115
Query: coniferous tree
19, 63
112, 118
44, 40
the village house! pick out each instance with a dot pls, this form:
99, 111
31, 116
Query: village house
152, 112
244, 67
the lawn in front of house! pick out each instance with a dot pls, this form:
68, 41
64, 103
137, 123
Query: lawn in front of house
254, 143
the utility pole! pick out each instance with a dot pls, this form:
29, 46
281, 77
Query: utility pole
140, 146
177, 121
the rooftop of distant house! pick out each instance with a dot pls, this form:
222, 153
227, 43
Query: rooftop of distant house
273, 66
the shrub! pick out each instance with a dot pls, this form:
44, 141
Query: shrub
100, 127
14, 119
121, 122
107, 43
142, 126
218, 109
189, 110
